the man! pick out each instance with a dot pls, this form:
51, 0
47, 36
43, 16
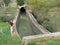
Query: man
11, 25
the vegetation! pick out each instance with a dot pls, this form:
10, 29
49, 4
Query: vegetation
7, 14
46, 42
20, 2
5, 18
5, 35
6, 2
41, 6
51, 21
44, 11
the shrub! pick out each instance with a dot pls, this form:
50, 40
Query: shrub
20, 2
6, 2
47, 24
5, 18
41, 20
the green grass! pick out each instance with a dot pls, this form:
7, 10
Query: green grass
46, 42
5, 36
12, 9
20, 2
8, 10
6, 2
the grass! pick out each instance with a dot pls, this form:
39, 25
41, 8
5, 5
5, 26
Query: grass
46, 42
8, 10
12, 9
5, 36
51, 21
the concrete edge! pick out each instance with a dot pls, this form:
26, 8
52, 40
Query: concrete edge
34, 21
28, 39
14, 26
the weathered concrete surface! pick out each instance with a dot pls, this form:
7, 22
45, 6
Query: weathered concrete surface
28, 39
27, 25
24, 26
35, 24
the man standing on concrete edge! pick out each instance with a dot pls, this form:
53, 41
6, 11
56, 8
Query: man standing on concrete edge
11, 26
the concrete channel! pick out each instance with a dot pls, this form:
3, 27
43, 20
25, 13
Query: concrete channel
26, 25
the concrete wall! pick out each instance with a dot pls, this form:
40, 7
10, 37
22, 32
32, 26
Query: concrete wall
37, 28
17, 23
34, 38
